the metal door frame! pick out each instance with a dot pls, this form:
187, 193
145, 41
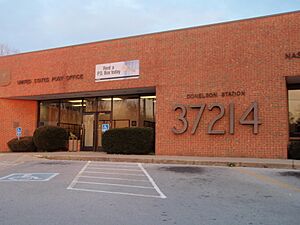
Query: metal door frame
97, 147
84, 148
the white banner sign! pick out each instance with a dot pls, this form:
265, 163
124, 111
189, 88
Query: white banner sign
118, 70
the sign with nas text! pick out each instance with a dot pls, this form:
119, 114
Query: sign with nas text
117, 70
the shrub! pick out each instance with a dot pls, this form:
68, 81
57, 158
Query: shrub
50, 138
128, 141
294, 150
25, 144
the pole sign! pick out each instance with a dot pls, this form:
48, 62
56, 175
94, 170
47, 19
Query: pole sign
105, 127
19, 132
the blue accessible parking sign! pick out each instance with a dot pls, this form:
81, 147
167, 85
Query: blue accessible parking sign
19, 131
105, 127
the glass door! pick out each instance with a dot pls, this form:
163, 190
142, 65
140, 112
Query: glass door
88, 131
104, 124
294, 124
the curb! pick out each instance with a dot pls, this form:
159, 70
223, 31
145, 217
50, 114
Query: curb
234, 163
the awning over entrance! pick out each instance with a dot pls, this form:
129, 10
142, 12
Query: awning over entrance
130, 91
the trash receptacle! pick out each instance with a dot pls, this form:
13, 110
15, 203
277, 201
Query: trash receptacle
74, 145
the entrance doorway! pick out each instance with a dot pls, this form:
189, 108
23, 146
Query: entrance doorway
87, 118
293, 86
88, 131
93, 126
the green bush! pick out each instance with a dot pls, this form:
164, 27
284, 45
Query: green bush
50, 138
294, 150
25, 144
128, 141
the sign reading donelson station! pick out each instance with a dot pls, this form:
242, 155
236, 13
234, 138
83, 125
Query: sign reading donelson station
117, 70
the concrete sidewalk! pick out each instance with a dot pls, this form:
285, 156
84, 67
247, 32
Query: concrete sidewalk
186, 160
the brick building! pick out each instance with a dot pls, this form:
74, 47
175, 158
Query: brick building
226, 89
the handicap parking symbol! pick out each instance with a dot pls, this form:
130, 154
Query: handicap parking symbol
25, 176
29, 177
19, 131
105, 127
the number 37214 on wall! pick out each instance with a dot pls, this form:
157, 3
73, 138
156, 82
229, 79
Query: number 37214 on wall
252, 109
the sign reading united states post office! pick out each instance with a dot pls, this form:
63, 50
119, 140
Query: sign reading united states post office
117, 70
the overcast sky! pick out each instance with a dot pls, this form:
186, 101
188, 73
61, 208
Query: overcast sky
29, 25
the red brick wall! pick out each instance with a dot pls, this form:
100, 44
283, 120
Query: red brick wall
16, 113
246, 55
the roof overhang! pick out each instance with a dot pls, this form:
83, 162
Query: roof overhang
131, 91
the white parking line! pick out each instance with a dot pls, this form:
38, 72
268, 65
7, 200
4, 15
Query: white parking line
109, 184
96, 168
78, 175
127, 174
123, 184
6, 163
115, 178
152, 182
112, 166
115, 192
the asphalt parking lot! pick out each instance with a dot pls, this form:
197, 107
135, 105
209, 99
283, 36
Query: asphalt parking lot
86, 193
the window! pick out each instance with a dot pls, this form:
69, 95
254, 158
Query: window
90, 105
49, 113
104, 104
125, 111
71, 115
147, 110
294, 112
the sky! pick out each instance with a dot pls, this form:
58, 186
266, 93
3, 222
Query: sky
30, 25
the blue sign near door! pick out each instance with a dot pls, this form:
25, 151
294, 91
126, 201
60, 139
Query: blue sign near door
105, 127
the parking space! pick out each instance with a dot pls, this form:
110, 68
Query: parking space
116, 178
6, 164
281, 179
131, 193
10, 160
